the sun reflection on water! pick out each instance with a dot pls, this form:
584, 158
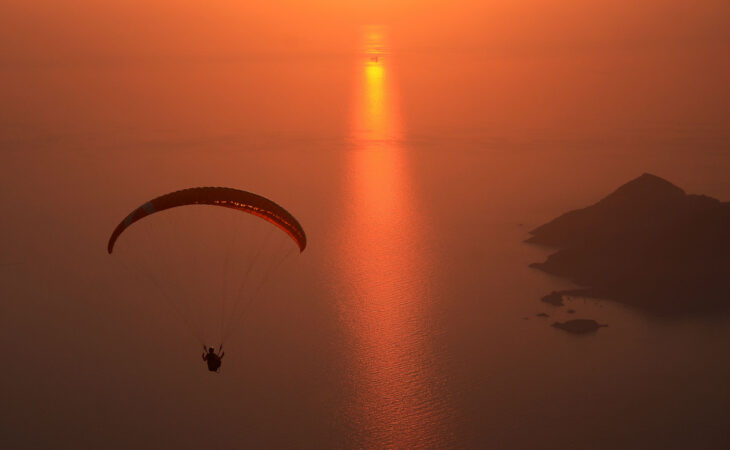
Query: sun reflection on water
395, 400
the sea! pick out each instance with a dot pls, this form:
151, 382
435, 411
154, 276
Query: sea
410, 320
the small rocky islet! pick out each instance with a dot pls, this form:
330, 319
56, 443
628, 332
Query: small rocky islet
554, 298
579, 326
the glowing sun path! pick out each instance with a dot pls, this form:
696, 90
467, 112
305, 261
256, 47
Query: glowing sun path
394, 401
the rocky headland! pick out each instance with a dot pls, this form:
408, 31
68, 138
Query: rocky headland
648, 244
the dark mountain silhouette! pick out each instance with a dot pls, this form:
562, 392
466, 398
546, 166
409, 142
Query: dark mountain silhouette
648, 244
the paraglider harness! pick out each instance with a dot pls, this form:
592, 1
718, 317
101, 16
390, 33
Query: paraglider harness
213, 359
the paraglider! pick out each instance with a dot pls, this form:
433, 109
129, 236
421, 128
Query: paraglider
224, 285
217, 196
213, 359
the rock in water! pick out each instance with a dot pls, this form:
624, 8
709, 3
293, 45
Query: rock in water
554, 298
579, 326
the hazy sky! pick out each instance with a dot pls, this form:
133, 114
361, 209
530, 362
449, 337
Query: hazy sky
54, 30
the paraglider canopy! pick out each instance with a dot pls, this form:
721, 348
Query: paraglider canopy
217, 196
207, 264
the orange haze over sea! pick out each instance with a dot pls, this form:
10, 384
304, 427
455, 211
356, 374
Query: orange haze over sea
417, 143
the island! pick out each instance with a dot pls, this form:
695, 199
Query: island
579, 326
554, 298
648, 244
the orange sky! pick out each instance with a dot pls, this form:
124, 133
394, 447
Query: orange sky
53, 30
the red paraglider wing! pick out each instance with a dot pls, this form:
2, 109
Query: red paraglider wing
217, 196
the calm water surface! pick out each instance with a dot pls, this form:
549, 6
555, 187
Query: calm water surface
403, 324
